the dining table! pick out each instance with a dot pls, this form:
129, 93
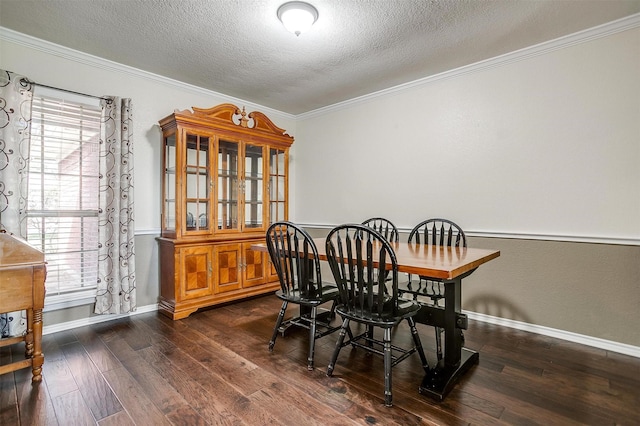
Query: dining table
450, 265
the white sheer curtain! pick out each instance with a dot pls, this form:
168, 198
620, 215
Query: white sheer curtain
16, 95
116, 252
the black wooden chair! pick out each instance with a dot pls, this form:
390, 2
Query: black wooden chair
385, 227
295, 259
390, 232
436, 232
358, 256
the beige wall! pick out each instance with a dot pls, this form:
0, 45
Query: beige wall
543, 149
588, 289
544, 144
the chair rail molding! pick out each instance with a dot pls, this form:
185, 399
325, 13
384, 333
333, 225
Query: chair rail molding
591, 239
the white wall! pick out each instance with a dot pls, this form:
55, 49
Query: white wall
545, 143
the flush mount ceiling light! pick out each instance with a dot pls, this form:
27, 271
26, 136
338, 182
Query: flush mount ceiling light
297, 16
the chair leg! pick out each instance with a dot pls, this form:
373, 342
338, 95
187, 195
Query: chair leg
272, 342
312, 337
369, 336
418, 343
332, 315
387, 367
339, 343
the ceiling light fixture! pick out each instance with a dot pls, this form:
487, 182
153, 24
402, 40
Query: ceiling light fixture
297, 16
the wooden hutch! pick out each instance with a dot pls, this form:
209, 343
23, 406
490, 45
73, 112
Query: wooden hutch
225, 179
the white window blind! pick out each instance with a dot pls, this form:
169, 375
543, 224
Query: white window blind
62, 205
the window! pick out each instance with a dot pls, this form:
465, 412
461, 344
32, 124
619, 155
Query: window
62, 205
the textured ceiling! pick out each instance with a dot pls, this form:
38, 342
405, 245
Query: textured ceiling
239, 48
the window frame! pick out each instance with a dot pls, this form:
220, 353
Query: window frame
82, 295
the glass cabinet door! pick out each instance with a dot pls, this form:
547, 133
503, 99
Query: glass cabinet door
197, 183
253, 187
169, 190
228, 155
277, 185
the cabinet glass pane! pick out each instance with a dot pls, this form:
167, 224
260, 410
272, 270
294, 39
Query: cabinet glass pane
197, 182
277, 185
197, 215
253, 185
170, 182
227, 185
277, 211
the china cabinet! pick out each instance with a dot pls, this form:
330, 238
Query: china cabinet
225, 179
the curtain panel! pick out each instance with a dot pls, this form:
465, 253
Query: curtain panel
116, 252
16, 94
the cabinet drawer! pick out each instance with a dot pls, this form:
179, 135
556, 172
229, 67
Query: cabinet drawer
227, 267
196, 266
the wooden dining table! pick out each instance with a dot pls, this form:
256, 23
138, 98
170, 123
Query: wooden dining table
450, 265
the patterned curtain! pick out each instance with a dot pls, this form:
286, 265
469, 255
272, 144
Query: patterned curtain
16, 94
116, 253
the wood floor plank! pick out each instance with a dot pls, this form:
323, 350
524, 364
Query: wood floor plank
118, 419
158, 390
191, 390
95, 348
214, 368
36, 407
225, 398
71, 409
55, 370
9, 412
520, 400
92, 385
134, 399
593, 406
290, 406
185, 416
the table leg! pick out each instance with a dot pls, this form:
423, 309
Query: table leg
37, 358
439, 380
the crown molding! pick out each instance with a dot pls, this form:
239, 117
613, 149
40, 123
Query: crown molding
107, 65
604, 30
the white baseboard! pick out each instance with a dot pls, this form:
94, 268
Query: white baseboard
48, 329
559, 334
518, 325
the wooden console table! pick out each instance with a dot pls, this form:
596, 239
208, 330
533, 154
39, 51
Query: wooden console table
22, 275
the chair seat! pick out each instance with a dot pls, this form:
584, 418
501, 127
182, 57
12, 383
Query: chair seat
388, 318
329, 292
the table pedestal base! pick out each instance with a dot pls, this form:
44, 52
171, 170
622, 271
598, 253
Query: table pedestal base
440, 380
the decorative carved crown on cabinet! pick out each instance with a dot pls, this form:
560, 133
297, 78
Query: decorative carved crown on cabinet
225, 179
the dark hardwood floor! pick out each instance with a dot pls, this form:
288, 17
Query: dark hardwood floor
214, 368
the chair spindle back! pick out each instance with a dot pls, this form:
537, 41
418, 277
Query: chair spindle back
359, 257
